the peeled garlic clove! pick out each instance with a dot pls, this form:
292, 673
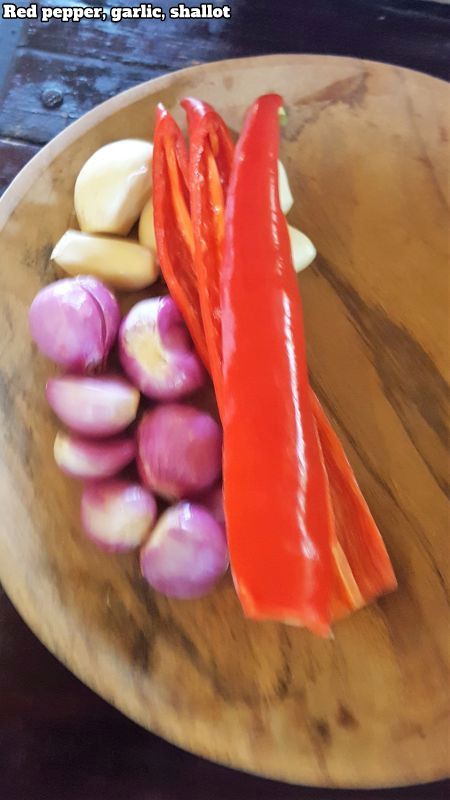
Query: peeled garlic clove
302, 249
122, 263
284, 190
146, 231
113, 186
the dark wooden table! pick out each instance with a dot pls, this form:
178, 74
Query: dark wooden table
58, 740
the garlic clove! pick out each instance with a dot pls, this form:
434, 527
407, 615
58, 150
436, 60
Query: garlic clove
113, 186
284, 190
302, 249
146, 231
121, 263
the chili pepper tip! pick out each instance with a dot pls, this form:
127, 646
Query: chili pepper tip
282, 116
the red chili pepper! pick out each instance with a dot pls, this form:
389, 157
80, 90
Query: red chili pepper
277, 506
210, 162
173, 226
357, 539
221, 144
361, 565
356, 530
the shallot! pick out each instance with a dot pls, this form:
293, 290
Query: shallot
88, 459
212, 500
96, 407
186, 553
179, 450
156, 351
117, 515
74, 323
108, 305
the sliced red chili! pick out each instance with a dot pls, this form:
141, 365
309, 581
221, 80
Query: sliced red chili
361, 566
173, 226
356, 530
210, 162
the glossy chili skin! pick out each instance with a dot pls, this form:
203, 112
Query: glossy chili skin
278, 512
173, 225
210, 163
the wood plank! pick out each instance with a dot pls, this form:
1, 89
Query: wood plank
150, 44
13, 156
82, 86
93, 60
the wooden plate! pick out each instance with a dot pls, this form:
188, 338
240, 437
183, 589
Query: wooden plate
366, 150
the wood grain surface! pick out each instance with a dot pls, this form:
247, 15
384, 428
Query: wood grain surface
366, 147
84, 64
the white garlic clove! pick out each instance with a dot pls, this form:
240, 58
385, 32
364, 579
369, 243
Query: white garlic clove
146, 231
284, 190
121, 263
302, 249
113, 187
